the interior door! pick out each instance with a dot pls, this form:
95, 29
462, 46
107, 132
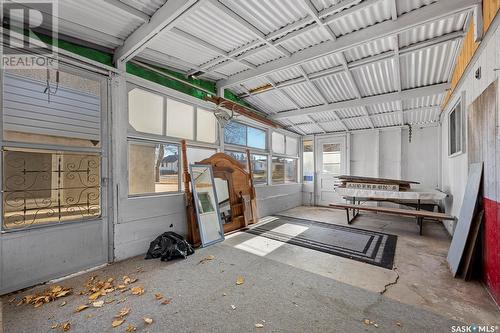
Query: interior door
331, 163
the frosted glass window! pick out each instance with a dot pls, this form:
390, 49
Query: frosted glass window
206, 126
256, 138
291, 146
235, 133
180, 120
145, 111
278, 143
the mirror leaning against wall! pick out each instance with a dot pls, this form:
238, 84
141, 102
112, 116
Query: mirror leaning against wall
207, 204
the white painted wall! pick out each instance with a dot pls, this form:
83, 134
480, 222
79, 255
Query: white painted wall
454, 169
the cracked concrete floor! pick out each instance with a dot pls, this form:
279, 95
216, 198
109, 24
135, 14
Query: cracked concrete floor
424, 277
286, 289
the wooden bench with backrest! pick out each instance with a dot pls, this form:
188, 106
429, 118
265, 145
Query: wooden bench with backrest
419, 214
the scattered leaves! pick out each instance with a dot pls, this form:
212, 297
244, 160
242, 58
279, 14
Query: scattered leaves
130, 328
137, 291
166, 301
54, 326
65, 326
158, 296
259, 325
62, 304
240, 280
148, 321
366, 322
81, 308
207, 258
117, 322
123, 312
47, 296
98, 304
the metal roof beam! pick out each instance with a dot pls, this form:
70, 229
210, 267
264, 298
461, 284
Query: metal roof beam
377, 99
432, 12
128, 9
162, 19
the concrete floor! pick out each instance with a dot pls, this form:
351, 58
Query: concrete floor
286, 289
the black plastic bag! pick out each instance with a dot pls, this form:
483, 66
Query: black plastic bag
168, 246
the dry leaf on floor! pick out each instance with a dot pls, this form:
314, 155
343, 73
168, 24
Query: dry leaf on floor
66, 326
240, 280
158, 296
98, 304
130, 328
121, 286
117, 322
207, 258
148, 320
233, 306
167, 301
398, 323
137, 291
259, 325
126, 279
121, 300
63, 303
123, 312
54, 326
366, 322
12, 300
95, 295
81, 308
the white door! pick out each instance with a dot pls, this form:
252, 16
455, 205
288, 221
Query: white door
331, 163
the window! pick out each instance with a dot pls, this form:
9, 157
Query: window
240, 157
292, 146
180, 120
308, 160
153, 168
284, 170
455, 130
243, 135
332, 158
45, 187
145, 111
278, 143
259, 168
206, 126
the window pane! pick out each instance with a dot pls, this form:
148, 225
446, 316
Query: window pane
235, 133
290, 170
206, 126
259, 169
153, 168
195, 154
240, 157
145, 111
180, 120
278, 167
278, 143
291, 146
332, 159
308, 161
256, 138
44, 187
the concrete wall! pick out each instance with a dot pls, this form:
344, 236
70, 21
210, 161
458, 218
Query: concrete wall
454, 169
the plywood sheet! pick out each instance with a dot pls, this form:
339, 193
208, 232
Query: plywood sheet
465, 218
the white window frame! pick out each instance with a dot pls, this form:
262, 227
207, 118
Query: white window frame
459, 130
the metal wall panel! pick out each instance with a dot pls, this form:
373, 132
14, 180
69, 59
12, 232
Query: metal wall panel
70, 113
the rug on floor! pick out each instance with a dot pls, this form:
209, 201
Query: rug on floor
372, 247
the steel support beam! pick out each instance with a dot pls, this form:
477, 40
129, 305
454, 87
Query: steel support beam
377, 99
405, 22
128, 9
162, 19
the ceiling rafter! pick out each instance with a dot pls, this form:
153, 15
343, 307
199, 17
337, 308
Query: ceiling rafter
370, 60
128, 9
418, 17
435, 89
162, 19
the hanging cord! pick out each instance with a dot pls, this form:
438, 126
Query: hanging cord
48, 90
410, 130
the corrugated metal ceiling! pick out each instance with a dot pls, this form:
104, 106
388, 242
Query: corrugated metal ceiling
227, 37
